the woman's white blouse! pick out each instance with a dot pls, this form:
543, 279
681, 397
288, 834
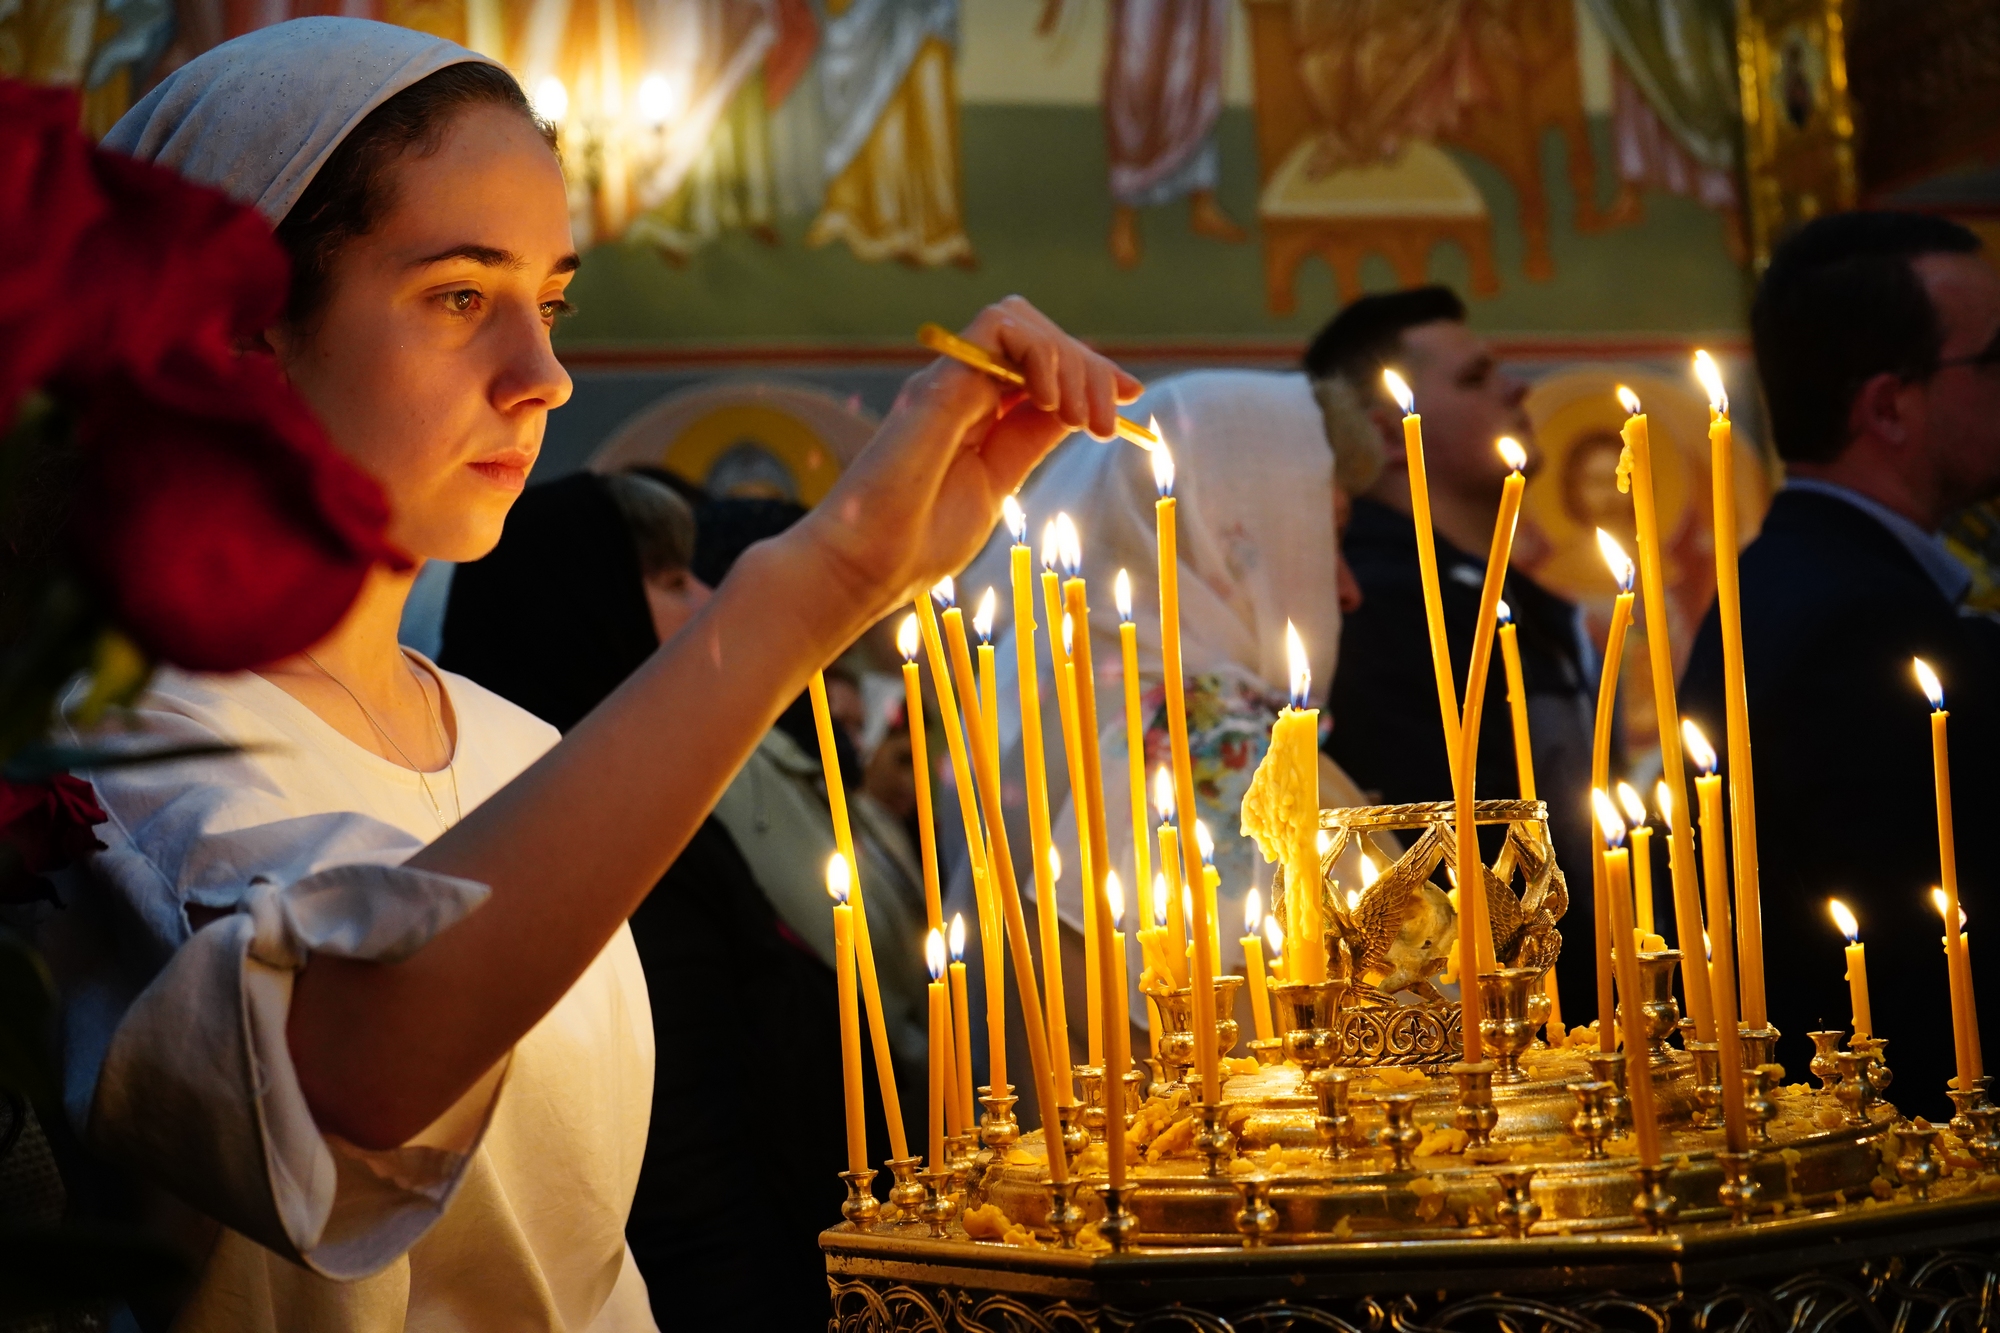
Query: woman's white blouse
508, 1212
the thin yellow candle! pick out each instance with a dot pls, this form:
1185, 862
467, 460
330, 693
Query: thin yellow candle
1047, 866
1735, 695
1642, 862
982, 625
1090, 813
1517, 703
1427, 565
986, 763
1663, 801
1600, 777
940, 1045
1964, 1015
1959, 968
1253, 965
1118, 1041
975, 838
1135, 729
908, 639
1203, 980
1857, 967
1298, 726
1721, 965
838, 882
1059, 543
1093, 983
961, 1017
1636, 471
1632, 1017
1476, 934
864, 952
1274, 935
1170, 866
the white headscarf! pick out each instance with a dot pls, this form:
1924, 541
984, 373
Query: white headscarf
1257, 548
258, 116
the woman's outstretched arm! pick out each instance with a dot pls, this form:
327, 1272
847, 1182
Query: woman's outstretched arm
572, 845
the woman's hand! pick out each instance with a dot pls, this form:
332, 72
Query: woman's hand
922, 498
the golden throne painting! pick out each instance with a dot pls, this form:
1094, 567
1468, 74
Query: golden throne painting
1355, 103
751, 439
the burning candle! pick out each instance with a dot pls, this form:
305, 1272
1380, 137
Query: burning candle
940, 1045
990, 938
1857, 967
982, 625
1517, 703
1954, 945
1636, 472
1721, 964
1177, 736
1476, 936
864, 953
1964, 1016
1632, 1017
907, 642
961, 1017
1040, 843
1642, 867
1600, 774
1253, 962
1176, 941
1736, 705
1093, 987
1281, 811
1274, 935
1118, 1032
986, 764
838, 882
1135, 729
1427, 564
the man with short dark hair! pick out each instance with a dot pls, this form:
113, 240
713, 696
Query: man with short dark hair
1877, 338
1387, 731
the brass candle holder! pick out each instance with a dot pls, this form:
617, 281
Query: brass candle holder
1268, 1050
1983, 1138
1826, 1045
1916, 1166
1119, 1225
1657, 1004
1756, 1044
1608, 1067
1306, 1012
1135, 1093
1653, 1203
940, 1205
961, 1154
1213, 1140
906, 1195
1070, 1121
861, 1207
1739, 1191
1856, 1093
1401, 1135
1090, 1125
1707, 1057
1963, 1102
1506, 1023
1066, 1216
1758, 1108
1476, 1115
1177, 1045
1879, 1076
1592, 1122
1257, 1221
1335, 1123
1000, 1130
1517, 1210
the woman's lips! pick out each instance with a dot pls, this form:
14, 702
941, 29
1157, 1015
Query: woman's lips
509, 472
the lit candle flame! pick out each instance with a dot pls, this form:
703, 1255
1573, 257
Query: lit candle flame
1204, 842
958, 937
1069, 634
1504, 613
1253, 911
1663, 801
934, 954
1511, 453
1635, 809
1628, 400
1620, 564
1353, 900
907, 638
945, 592
1016, 519
1163, 794
1051, 547
1399, 390
1163, 464
1700, 752
839, 879
982, 619
1055, 866
1845, 920
1121, 593
1160, 898
1927, 678
1114, 897
1943, 906
1608, 822
1301, 669
1370, 872
1274, 935
1068, 547
1710, 376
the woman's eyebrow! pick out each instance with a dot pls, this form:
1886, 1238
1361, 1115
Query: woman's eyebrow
489, 256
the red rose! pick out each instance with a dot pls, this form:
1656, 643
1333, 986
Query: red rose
44, 826
48, 199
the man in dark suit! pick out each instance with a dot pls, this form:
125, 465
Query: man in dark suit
1877, 339
1387, 730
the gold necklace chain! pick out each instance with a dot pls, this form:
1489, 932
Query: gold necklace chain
437, 727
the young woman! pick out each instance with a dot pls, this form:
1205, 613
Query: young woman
374, 1007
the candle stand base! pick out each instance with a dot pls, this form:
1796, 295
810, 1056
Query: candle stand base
1758, 1108
1856, 1093
1739, 1191
999, 1131
1335, 1122
1119, 1224
906, 1195
1657, 1003
861, 1207
1915, 1166
1256, 1220
1592, 1122
1517, 1210
1400, 1134
1707, 1057
1090, 1085
1654, 1204
1213, 1140
1506, 1025
1757, 1044
1065, 1216
1879, 1075
939, 1206
1826, 1045
1070, 1118
1608, 1068
1475, 1117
